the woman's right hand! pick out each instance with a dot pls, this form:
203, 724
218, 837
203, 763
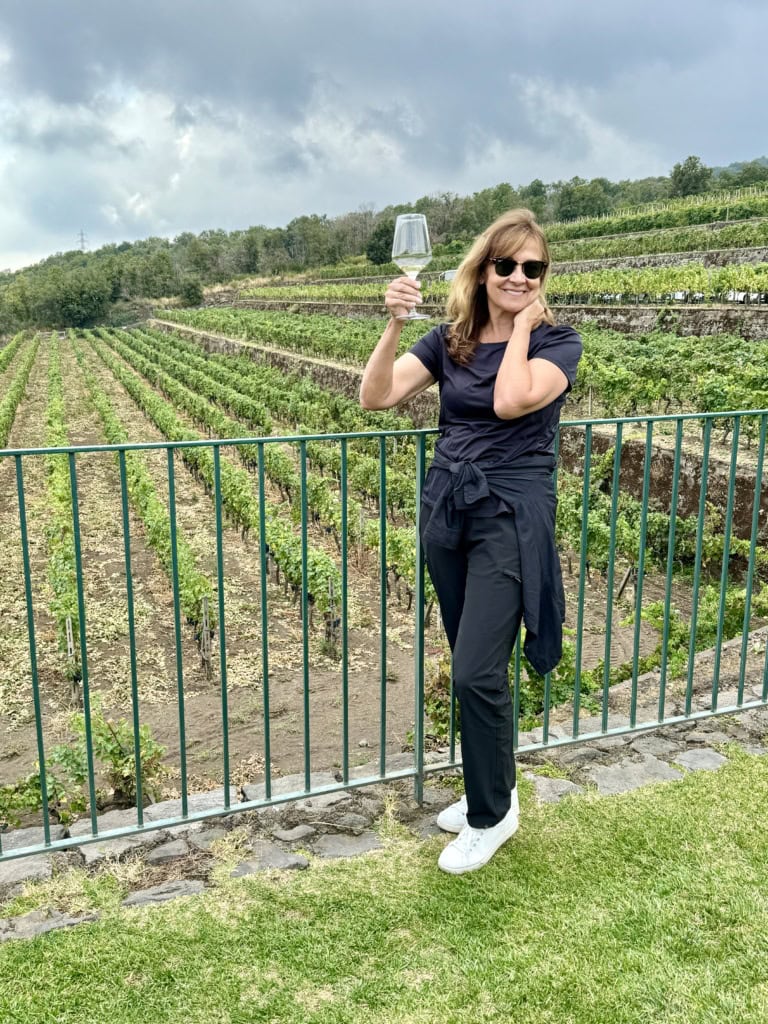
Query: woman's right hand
402, 295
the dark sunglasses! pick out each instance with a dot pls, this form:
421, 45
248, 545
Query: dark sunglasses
504, 266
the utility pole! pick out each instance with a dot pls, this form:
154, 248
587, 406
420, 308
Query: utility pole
82, 240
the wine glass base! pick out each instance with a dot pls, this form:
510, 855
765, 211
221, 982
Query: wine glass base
413, 316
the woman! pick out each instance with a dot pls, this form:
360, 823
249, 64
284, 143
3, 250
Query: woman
487, 520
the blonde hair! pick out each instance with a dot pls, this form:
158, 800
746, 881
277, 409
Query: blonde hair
467, 304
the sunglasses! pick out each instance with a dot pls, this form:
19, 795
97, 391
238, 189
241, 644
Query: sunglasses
504, 266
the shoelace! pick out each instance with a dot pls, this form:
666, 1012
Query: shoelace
468, 838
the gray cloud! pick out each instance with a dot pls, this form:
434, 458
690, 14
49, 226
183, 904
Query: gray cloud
51, 138
157, 118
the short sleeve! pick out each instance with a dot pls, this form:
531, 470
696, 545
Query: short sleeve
559, 344
429, 350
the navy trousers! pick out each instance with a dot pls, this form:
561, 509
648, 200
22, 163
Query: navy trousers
480, 594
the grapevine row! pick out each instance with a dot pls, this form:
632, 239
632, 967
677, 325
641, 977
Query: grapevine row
628, 540
332, 412
327, 412
632, 374
698, 199
318, 335
644, 219
238, 500
325, 505
10, 400
179, 379
658, 531
10, 350
629, 522
62, 572
741, 235
297, 400
194, 585
688, 281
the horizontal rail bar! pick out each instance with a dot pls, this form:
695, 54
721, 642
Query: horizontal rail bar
415, 432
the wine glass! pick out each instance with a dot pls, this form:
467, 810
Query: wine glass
411, 251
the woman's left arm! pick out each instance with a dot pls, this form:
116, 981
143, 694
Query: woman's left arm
522, 384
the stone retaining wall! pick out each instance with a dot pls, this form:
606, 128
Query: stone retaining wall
748, 322
662, 472
709, 257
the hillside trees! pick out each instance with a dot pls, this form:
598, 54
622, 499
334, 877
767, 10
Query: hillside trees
534, 196
379, 248
753, 172
580, 198
690, 177
246, 250
57, 298
58, 287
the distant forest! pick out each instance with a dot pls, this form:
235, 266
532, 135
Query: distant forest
110, 284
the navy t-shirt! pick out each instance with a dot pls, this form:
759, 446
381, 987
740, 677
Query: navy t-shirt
469, 429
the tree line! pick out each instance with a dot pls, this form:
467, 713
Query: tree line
77, 289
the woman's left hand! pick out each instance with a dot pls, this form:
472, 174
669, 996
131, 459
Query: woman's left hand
531, 315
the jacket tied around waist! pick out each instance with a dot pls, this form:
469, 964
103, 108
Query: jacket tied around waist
526, 486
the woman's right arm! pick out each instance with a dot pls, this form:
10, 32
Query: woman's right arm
388, 381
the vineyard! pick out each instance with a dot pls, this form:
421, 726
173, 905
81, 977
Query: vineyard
256, 599
711, 374
691, 282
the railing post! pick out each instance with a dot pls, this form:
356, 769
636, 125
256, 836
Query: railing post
177, 631
418, 646
32, 652
383, 603
641, 567
727, 528
610, 574
703, 481
305, 613
583, 559
343, 489
222, 628
264, 574
752, 555
83, 641
131, 636
670, 567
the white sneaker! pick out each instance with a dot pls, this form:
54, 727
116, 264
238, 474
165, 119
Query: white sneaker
454, 817
474, 847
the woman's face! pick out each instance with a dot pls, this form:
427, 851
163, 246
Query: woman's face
515, 291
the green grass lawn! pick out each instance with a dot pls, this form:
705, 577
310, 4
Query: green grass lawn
648, 907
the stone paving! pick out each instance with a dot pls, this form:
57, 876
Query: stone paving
288, 836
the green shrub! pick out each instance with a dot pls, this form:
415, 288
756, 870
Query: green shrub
66, 774
191, 291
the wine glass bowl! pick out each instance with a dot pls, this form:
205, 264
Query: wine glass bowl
411, 251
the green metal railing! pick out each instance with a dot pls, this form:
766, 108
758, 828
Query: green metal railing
603, 460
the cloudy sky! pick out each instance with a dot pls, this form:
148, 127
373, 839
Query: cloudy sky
129, 118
